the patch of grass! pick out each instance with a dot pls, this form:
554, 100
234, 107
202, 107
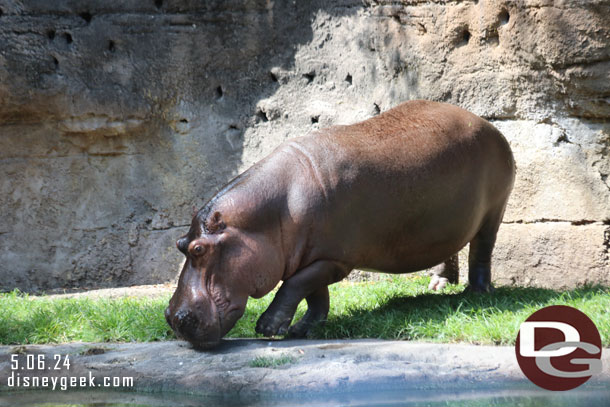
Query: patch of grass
271, 361
398, 307
393, 309
25, 319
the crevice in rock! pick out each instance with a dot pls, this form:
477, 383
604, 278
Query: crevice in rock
607, 241
376, 109
219, 92
51, 34
68, 38
582, 222
158, 4
170, 227
111, 46
499, 117
315, 119
348, 78
112, 154
63, 156
604, 178
589, 62
563, 139
491, 37
578, 222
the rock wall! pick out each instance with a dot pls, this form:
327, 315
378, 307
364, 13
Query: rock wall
117, 117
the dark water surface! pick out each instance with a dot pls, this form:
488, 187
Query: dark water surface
588, 395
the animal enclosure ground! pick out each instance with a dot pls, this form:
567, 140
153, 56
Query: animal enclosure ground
396, 307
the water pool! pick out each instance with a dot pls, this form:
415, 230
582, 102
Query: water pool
592, 395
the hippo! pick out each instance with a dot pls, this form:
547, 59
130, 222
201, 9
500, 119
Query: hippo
401, 192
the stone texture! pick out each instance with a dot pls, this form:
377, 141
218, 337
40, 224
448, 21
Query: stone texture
562, 170
554, 255
116, 118
319, 368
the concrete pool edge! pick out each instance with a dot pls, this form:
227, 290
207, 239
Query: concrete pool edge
310, 366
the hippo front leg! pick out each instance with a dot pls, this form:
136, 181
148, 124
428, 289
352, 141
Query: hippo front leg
318, 304
310, 282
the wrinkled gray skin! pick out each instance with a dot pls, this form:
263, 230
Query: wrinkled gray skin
397, 193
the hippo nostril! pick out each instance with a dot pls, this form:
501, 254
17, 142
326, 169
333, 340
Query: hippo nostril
182, 315
186, 324
185, 320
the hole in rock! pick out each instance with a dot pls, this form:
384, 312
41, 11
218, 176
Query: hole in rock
262, 116
158, 3
273, 77
465, 36
504, 17
315, 119
68, 38
86, 16
219, 92
309, 76
51, 34
111, 46
348, 79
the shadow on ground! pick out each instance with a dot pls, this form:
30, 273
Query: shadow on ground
461, 316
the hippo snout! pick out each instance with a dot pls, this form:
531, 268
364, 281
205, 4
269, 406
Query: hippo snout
201, 332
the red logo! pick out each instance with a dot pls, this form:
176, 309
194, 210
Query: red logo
559, 348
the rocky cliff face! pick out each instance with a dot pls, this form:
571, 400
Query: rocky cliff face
117, 117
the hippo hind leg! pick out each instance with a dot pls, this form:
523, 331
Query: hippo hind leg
479, 257
447, 272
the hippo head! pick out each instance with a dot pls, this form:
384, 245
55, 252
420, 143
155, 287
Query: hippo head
220, 272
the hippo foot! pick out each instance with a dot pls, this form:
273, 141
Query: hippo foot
304, 327
480, 289
437, 283
270, 325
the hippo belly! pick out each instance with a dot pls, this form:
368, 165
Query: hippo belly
407, 199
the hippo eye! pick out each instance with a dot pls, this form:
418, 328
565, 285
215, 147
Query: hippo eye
198, 250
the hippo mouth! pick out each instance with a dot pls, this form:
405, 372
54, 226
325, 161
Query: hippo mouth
201, 339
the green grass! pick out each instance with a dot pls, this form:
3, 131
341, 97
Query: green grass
395, 308
44, 320
272, 361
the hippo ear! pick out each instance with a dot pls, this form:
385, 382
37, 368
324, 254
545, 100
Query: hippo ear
215, 223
